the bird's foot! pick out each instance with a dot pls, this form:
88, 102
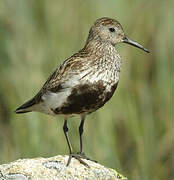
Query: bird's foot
82, 154
79, 156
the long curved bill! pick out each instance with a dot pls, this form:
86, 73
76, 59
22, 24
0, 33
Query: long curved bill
133, 43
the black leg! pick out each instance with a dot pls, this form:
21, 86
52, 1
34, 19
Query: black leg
65, 129
81, 132
81, 153
79, 156
71, 154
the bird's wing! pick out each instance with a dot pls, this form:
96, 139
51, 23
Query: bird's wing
65, 72
70, 70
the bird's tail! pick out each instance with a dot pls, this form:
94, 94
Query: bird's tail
26, 107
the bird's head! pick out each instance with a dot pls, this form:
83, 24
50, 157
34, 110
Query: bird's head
110, 31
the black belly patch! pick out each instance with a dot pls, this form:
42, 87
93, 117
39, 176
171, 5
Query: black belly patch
86, 98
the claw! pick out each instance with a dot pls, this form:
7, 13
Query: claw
83, 156
79, 158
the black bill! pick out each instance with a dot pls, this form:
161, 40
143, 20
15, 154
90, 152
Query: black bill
133, 43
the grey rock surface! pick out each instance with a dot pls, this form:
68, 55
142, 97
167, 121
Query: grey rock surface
55, 168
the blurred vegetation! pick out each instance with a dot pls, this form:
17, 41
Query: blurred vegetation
134, 132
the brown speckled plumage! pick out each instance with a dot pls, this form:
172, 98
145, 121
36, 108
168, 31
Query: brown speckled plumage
86, 80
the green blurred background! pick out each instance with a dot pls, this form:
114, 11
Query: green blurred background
134, 132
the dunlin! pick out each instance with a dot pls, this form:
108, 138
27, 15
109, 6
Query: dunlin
85, 81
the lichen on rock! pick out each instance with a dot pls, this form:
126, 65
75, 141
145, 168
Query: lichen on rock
55, 168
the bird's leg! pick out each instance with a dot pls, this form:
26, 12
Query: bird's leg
81, 153
81, 132
65, 129
71, 154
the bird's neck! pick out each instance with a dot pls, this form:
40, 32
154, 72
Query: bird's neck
103, 55
99, 48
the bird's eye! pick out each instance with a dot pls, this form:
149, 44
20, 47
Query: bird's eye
111, 29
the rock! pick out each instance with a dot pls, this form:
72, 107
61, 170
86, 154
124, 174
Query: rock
55, 168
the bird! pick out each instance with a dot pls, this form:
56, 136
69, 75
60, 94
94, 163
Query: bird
85, 81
